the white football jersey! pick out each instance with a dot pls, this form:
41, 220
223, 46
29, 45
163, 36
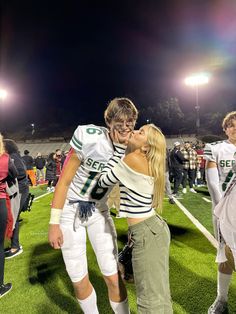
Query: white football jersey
223, 154
94, 148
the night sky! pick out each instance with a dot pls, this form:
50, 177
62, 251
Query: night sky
62, 61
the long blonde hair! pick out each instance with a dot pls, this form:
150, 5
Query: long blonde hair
2, 149
156, 157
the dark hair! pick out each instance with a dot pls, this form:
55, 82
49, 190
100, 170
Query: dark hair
10, 146
26, 152
50, 156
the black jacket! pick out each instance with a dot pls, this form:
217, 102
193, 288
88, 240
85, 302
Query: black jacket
177, 158
51, 168
39, 162
21, 170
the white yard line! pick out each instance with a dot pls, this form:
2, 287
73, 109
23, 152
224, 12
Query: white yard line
36, 198
206, 200
200, 227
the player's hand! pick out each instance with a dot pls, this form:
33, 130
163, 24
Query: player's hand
55, 236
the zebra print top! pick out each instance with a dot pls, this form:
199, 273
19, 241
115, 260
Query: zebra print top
136, 189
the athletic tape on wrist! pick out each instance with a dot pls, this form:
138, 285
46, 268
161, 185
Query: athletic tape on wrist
55, 216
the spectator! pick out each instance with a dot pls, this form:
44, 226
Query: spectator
29, 162
63, 158
51, 171
201, 165
167, 180
177, 159
189, 167
12, 149
7, 170
39, 164
58, 159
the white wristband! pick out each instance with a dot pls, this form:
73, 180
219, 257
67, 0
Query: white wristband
55, 216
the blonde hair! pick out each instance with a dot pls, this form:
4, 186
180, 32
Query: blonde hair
227, 121
2, 149
119, 108
156, 157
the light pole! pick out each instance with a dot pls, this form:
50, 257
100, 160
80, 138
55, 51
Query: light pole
196, 80
3, 96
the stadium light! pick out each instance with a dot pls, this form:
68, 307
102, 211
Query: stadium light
196, 80
3, 94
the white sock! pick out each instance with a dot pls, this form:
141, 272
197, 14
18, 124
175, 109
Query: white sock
223, 282
89, 305
120, 307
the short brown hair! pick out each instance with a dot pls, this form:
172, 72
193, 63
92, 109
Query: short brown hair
120, 108
227, 122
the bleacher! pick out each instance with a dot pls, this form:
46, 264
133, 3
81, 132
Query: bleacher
44, 146
47, 146
170, 140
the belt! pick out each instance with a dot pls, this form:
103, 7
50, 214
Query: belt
84, 210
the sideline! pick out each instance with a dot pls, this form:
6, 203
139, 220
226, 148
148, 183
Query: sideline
206, 200
200, 227
36, 198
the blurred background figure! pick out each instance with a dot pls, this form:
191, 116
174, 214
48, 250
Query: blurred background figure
39, 163
201, 179
189, 167
12, 149
63, 158
177, 159
58, 159
168, 190
29, 162
51, 168
7, 170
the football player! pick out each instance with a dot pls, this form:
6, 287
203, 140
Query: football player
74, 211
219, 162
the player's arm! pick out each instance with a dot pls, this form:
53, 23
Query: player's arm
213, 181
108, 177
71, 165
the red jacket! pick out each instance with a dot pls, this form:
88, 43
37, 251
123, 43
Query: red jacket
4, 170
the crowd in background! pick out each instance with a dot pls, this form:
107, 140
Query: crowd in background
186, 165
42, 169
17, 173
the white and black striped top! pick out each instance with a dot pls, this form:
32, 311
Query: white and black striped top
136, 189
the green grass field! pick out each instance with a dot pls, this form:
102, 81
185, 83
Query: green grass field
41, 285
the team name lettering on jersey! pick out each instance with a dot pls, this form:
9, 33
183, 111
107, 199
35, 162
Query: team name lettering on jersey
227, 163
222, 153
96, 165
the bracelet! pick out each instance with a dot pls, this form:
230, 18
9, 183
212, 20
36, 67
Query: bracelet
55, 216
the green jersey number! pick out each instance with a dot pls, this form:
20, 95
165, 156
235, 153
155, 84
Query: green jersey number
97, 192
93, 131
227, 179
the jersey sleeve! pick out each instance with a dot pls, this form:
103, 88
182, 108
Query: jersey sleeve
77, 142
108, 177
209, 153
